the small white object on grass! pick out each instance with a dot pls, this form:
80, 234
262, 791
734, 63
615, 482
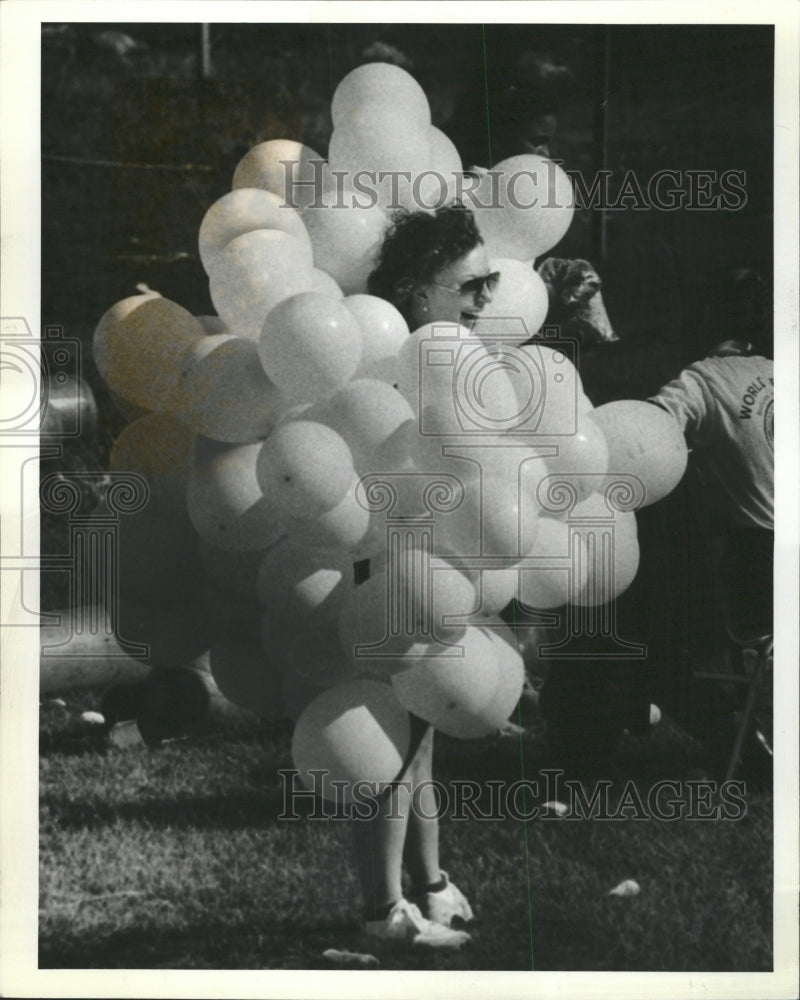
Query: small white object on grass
655, 715
126, 734
93, 718
349, 957
555, 807
627, 888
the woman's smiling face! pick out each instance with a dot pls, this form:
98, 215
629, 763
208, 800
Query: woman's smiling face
445, 300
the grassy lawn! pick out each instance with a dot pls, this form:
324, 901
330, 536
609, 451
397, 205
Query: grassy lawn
176, 858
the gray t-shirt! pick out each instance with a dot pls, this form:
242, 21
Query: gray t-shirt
725, 408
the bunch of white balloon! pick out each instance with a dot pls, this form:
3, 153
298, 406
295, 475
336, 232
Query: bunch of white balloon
264, 430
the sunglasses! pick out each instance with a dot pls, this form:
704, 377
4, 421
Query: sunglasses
475, 286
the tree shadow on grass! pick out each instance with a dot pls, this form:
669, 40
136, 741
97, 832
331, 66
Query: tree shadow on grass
233, 811
254, 944
257, 944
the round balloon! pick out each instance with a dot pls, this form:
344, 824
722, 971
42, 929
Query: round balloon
438, 185
384, 332
548, 389
365, 412
518, 308
346, 239
413, 599
225, 394
508, 687
344, 526
555, 569
304, 469
253, 273
381, 85
309, 346
449, 690
497, 588
140, 347
324, 284
581, 458
286, 168
382, 154
646, 442
242, 211
357, 731
524, 206
225, 501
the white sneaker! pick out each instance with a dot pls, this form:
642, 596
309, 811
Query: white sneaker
443, 906
405, 926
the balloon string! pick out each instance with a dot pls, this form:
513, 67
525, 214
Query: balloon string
83, 161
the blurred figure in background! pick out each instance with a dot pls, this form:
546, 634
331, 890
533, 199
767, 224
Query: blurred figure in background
513, 111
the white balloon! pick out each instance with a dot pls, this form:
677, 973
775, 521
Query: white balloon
380, 85
140, 348
225, 502
253, 273
357, 731
384, 331
450, 691
366, 412
438, 185
304, 469
346, 239
413, 600
323, 283
562, 570
288, 169
497, 587
387, 151
518, 308
548, 389
530, 206
310, 345
581, 458
225, 394
508, 688
644, 441
344, 526
243, 211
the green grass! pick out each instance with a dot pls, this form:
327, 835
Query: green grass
175, 858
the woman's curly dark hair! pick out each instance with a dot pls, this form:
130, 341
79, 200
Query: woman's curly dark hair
416, 248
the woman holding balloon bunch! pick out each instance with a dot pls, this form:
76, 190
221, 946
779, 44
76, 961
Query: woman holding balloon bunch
433, 268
